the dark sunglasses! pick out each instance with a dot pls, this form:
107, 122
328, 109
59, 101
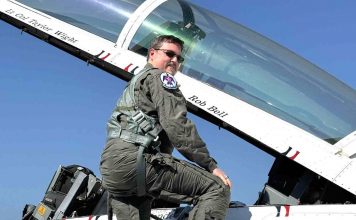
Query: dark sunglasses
172, 54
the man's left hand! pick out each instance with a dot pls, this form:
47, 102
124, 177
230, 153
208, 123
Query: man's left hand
220, 173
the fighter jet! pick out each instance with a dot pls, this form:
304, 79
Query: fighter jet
248, 85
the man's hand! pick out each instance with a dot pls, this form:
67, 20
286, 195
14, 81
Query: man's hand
220, 173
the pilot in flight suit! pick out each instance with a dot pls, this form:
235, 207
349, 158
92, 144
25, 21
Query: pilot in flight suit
148, 121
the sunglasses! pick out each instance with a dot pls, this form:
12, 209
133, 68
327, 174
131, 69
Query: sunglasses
172, 54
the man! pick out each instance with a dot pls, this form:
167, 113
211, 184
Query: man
148, 121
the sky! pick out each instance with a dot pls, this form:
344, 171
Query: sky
54, 107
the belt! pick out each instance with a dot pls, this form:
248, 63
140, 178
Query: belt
142, 140
131, 137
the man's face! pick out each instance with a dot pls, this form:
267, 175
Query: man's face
166, 57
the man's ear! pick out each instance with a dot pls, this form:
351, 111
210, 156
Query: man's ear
151, 52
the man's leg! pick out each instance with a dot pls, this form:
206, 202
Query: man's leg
131, 208
179, 181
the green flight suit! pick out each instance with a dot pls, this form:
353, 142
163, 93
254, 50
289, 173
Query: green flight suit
166, 177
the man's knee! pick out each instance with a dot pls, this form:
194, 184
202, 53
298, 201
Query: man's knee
224, 193
221, 189
212, 205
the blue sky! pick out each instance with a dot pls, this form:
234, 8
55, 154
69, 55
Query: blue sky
54, 107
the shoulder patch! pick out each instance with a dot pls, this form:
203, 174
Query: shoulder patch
168, 81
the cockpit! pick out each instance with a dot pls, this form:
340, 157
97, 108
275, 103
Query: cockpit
228, 57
